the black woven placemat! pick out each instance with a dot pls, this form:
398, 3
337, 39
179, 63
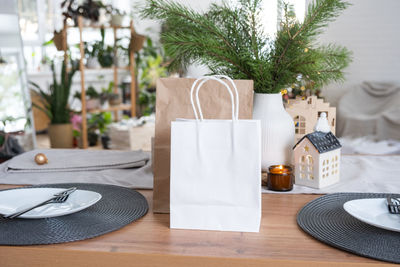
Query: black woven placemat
325, 219
118, 207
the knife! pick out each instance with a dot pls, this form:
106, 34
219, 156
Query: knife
64, 193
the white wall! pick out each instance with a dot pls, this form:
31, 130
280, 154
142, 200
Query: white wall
371, 29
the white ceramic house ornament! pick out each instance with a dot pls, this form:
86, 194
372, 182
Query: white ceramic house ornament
317, 157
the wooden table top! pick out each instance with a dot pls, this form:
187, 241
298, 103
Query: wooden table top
150, 242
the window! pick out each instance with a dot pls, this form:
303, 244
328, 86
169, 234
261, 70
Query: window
29, 21
38, 19
300, 125
330, 166
306, 167
12, 105
310, 163
310, 160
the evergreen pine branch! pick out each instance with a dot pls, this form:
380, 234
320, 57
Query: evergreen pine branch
319, 14
230, 40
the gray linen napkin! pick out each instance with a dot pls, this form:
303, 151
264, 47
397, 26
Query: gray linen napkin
123, 168
77, 160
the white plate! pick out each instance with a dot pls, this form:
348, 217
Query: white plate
373, 211
18, 199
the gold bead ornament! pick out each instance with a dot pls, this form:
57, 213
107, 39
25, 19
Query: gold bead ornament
41, 159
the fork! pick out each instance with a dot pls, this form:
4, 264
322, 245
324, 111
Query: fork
57, 198
393, 205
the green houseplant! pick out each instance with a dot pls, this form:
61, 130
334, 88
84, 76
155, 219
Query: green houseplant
229, 39
105, 54
98, 53
108, 93
98, 124
150, 65
92, 52
93, 100
56, 107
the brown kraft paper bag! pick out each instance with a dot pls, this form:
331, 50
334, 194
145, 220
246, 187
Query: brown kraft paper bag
172, 102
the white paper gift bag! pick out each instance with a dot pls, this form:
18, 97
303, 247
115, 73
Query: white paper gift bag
215, 169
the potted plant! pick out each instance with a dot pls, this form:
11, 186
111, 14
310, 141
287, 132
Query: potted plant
98, 54
93, 98
93, 136
117, 17
56, 106
59, 40
150, 64
105, 53
104, 99
98, 125
92, 52
92, 130
230, 40
121, 59
113, 98
147, 103
93, 101
106, 120
136, 42
152, 69
106, 56
76, 121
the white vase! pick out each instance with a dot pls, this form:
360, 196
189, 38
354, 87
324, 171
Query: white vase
116, 20
277, 129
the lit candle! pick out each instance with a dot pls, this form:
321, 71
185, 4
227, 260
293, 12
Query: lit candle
280, 178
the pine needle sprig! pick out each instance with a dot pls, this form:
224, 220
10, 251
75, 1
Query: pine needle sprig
319, 14
230, 40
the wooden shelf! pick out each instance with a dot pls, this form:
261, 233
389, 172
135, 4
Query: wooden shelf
82, 69
127, 68
109, 68
100, 26
111, 108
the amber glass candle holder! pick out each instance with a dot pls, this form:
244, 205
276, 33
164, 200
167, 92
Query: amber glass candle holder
280, 178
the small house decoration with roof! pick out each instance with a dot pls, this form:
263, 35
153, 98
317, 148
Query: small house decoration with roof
317, 157
305, 114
